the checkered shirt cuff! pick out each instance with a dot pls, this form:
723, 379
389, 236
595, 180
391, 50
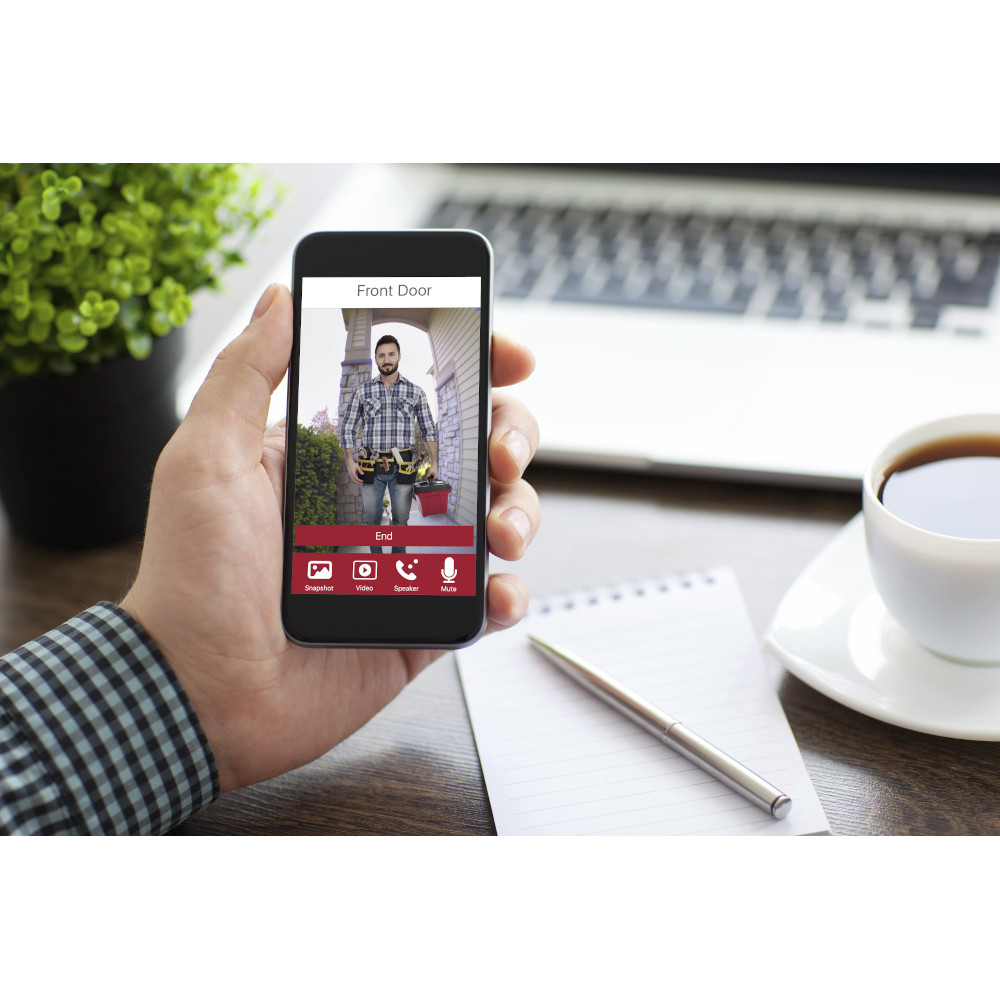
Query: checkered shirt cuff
96, 733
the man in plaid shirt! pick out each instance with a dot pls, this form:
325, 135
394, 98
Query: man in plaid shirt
387, 408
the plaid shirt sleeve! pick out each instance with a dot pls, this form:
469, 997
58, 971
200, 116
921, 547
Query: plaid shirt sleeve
96, 734
351, 420
425, 419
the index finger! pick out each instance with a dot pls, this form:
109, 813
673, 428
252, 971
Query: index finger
512, 362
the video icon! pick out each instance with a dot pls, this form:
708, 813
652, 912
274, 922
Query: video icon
365, 569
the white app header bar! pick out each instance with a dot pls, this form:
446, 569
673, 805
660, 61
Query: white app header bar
399, 293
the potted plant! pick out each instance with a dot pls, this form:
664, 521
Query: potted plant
98, 263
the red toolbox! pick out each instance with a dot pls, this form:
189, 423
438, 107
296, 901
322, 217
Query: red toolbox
432, 496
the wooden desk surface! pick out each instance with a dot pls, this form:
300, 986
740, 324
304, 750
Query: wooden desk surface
414, 770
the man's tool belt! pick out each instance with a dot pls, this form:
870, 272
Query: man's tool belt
399, 460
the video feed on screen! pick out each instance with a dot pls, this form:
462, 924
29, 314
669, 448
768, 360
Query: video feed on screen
386, 443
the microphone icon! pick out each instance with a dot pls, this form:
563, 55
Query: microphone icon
449, 572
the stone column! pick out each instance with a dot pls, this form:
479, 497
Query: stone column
355, 370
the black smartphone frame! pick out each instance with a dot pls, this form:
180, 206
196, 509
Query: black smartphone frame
388, 621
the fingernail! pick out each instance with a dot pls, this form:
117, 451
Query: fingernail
517, 445
264, 302
518, 520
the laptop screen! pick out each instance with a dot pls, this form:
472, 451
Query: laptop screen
968, 178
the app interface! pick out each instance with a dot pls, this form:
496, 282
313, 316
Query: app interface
387, 436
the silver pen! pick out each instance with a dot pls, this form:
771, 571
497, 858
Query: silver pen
673, 733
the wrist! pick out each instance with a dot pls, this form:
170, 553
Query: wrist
115, 743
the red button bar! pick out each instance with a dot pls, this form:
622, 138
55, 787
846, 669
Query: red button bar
451, 535
432, 573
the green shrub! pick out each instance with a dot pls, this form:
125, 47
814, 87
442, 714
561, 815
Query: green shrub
318, 460
98, 259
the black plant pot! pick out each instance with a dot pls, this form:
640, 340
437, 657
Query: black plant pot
77, 453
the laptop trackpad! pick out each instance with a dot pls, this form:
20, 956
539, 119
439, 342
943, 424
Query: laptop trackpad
635, 391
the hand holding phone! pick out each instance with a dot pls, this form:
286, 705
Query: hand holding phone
207, 589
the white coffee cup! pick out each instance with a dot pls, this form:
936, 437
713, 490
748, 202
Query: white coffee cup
944, 590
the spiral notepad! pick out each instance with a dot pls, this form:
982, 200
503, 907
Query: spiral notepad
558, 761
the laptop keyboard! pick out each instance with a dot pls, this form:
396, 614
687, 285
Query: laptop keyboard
880, 277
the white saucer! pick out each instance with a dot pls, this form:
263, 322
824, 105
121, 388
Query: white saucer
832, 631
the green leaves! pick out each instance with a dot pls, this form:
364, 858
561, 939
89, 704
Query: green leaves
171, 306
74, 326
29, 364
55, 191
318, 458
139, 344
72, 342
98, 259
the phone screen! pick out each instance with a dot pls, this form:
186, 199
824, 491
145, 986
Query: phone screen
386, 485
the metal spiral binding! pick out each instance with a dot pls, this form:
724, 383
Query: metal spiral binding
557, 600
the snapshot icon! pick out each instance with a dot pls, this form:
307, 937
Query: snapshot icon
320, 569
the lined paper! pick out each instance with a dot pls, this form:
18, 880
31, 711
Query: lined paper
558, 761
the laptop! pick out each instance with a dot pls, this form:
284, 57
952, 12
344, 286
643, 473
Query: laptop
762, 323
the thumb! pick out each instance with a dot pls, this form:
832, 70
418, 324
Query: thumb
233, 401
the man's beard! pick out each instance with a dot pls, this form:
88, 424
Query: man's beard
389, 369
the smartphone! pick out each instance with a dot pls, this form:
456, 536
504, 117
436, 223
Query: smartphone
389, 401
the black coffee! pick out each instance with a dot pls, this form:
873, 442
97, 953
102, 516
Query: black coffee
951, 487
